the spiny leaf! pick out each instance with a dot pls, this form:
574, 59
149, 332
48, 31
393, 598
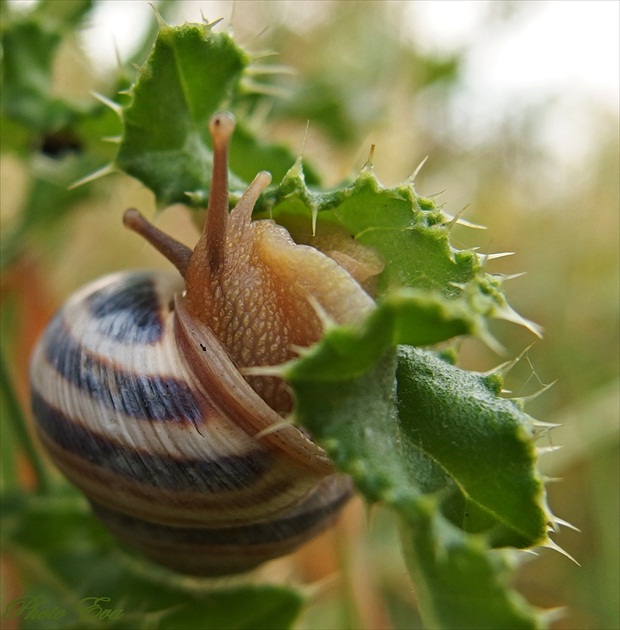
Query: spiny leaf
459, 582
485, 443
454, 420
191, 73
409, 233
437, 444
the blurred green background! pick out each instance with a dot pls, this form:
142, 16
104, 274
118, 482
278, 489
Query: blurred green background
516, 105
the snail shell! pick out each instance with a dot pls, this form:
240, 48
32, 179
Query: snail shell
140, 395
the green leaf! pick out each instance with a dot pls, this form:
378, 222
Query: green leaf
410, 234
66, 16
190, 74
68, 561
448, 423
26, 68
459, 582
245, 608
483, 442
438, 445
249, 155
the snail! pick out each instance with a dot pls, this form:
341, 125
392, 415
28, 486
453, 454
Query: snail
147, 393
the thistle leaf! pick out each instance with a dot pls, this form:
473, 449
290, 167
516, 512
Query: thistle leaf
191, 73
453, 460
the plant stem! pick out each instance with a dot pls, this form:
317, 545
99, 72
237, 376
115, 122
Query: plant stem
17, 420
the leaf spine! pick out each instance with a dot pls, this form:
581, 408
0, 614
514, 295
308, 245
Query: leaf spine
542, 390
108, 169
553, 545
416, 170
545, 450
113, 105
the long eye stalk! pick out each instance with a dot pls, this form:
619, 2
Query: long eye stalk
221, 127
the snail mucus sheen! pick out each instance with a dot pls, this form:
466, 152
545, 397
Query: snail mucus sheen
142, 396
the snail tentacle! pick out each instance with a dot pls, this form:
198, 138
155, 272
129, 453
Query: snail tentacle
177, 253
221, 127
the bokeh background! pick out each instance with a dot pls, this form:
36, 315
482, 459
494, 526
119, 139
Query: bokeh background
516, 106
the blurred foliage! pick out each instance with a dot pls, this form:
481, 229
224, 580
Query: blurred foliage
127, 592
560, 216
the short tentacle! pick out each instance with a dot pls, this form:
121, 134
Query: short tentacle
177, 253
245, 206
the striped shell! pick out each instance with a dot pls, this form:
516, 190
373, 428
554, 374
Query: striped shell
139, 396
125, 417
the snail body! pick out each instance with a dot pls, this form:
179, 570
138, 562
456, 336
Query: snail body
143, 393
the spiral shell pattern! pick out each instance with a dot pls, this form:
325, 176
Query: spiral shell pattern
173, 457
